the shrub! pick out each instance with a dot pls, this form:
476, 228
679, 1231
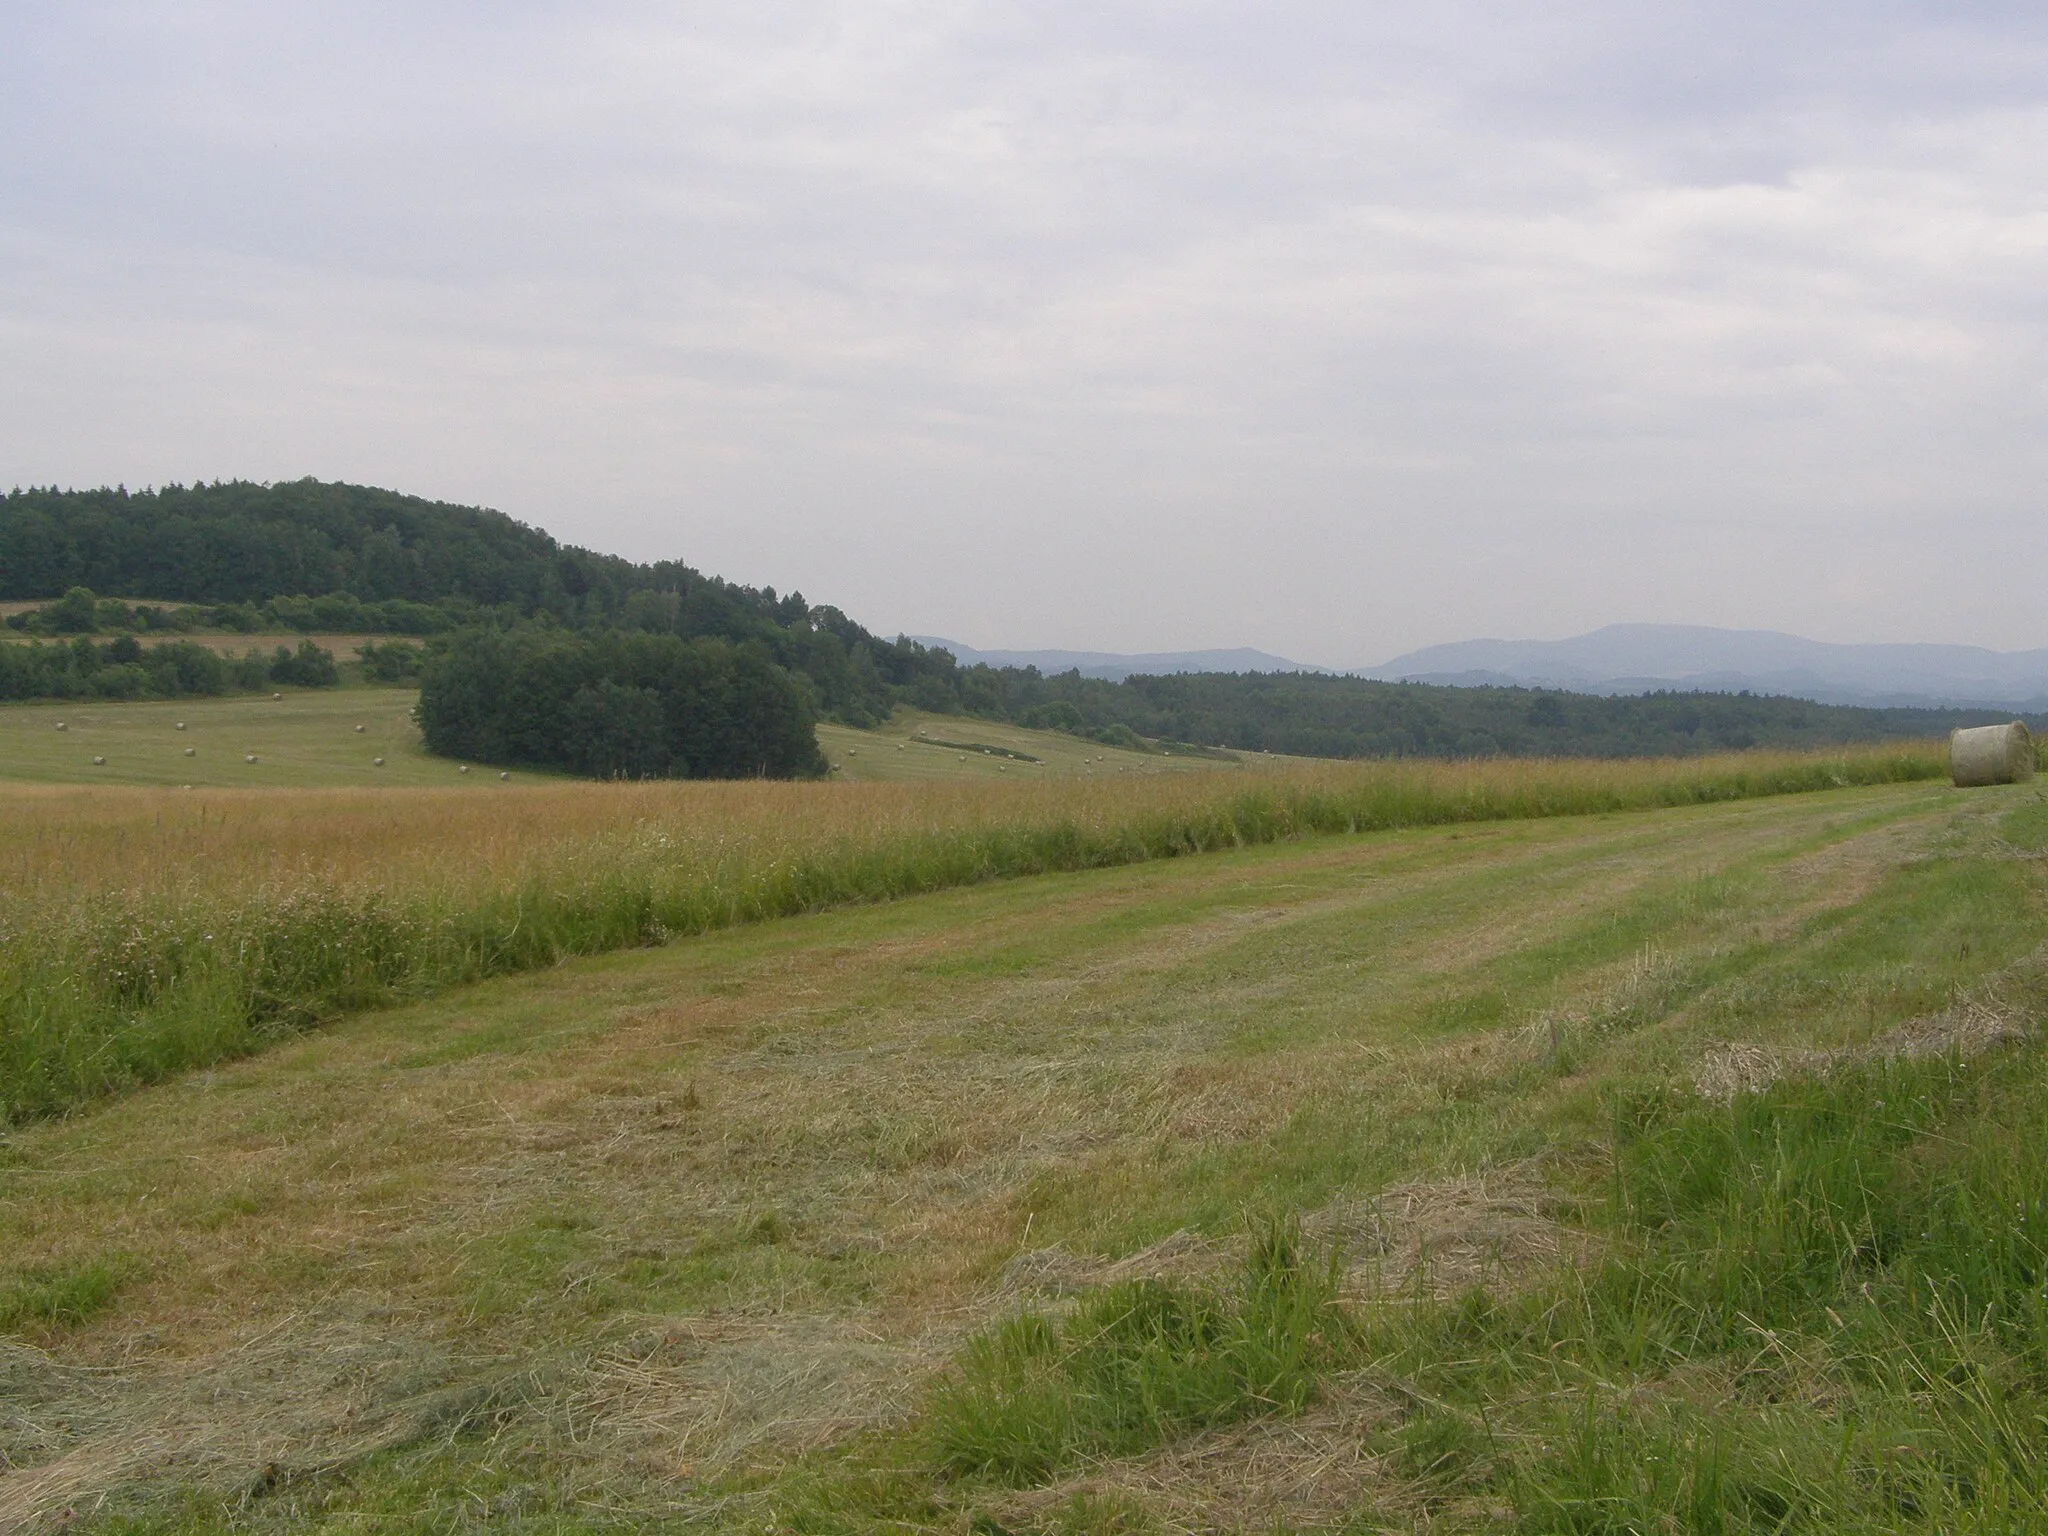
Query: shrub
392, 662
309, 666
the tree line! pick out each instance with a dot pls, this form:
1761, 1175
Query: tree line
124, 668
80, 612
1319, 715
509, 614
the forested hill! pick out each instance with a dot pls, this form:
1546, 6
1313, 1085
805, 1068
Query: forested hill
432, 566
316, 556
1323, 716
239, 542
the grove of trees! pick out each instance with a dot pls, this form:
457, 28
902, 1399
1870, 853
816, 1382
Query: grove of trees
616, 705
123, 668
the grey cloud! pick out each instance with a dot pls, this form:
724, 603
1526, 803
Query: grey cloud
1331, 329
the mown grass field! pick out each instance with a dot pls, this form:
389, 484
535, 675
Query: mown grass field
1671, 1169
305, 739
308, 739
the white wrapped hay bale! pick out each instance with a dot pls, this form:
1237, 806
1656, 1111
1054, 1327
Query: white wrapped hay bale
1991, 754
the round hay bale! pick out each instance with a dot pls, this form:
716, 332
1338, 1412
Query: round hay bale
1991, 754
191, 751
377, 762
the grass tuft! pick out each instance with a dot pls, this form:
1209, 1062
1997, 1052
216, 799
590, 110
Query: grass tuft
1139, 1363
60, 1296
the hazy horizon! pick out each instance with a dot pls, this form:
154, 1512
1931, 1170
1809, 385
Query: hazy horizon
1375, 664
1329, 333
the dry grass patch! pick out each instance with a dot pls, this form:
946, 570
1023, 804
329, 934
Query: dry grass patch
1310, 1472
1967, 1030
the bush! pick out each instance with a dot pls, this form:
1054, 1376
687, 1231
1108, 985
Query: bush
392, 662
75, 613
308, 667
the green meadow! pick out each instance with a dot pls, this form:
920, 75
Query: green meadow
302, 738
1662, 1169
306, 738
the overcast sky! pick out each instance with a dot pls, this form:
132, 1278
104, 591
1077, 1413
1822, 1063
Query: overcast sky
1331, 328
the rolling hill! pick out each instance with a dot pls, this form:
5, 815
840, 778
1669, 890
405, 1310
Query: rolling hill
1639, 658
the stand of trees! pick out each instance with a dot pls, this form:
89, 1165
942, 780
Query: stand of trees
312, 556
125, 669
616, 705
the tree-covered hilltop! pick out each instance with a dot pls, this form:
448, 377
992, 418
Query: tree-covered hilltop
240, 542
316, 557
311, 556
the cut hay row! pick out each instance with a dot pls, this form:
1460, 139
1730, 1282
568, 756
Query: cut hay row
143, 932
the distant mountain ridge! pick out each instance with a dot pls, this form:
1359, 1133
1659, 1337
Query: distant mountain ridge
1114, 667
1629, 659
1638, 658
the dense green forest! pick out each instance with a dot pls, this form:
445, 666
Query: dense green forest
617, 705
310, 556
313, 557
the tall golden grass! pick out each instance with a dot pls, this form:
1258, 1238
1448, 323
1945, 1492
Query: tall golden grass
143, 931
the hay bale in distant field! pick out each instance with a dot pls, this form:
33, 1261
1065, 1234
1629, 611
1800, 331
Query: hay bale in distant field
1991, 754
